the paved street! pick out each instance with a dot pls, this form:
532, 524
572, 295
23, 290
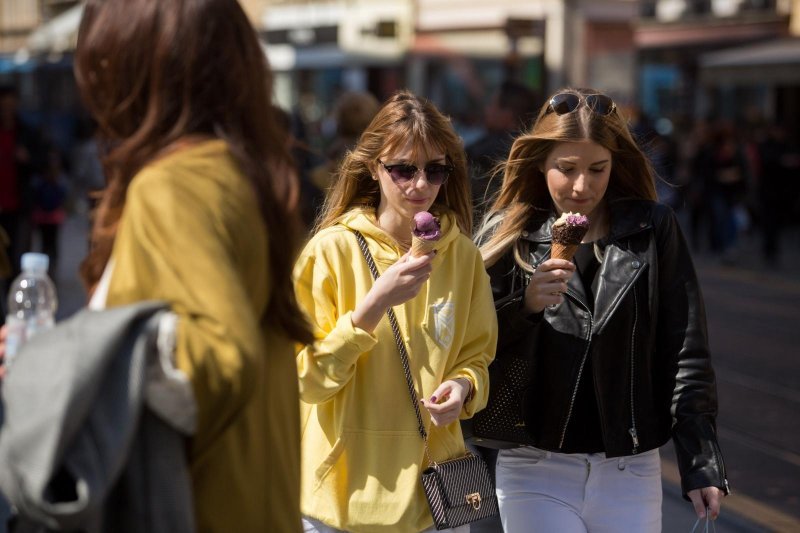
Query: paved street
752, 315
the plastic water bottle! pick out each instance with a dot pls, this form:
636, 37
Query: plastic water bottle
32, 303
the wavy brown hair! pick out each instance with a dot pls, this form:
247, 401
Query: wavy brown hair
154, 72
404, 116
524, 195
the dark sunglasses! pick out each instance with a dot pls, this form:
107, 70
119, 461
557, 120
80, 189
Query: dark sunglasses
564, 103
436, 174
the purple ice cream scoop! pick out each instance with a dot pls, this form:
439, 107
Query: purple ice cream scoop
426, 226
570, 228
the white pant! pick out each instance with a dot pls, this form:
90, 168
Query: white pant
540, 491
312, 525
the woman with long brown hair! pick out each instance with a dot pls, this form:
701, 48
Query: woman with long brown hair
362, 452
199, 211
615, 338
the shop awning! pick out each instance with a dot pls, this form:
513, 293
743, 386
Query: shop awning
771, 63
58, 35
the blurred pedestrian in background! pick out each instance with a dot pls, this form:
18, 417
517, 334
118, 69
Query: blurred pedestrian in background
19, 152
305, 160
352, 113
699, 167
510, 111
200, 212
777, 189
86, 171
726, 188
617, 338
49, 191
361, 449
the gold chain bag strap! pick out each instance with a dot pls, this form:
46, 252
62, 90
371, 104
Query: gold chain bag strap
459, 490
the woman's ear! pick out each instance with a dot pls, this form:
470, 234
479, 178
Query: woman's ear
374, 168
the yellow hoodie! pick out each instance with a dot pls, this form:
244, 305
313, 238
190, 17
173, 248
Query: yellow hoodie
192, 234
362, 455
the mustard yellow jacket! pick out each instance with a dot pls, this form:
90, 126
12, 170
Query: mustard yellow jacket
361, 453
192, 234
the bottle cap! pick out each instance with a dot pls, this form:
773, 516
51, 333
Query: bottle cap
35, 262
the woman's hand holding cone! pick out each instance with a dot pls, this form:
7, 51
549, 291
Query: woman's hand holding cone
548, 284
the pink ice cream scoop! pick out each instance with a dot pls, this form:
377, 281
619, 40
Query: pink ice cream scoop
425, 234
426, 226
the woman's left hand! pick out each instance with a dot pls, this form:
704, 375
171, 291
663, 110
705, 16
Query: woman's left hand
707, 497
447, 400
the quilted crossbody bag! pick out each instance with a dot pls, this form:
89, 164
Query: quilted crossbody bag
458, 490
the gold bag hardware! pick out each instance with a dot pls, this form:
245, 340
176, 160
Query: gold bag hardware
474, 500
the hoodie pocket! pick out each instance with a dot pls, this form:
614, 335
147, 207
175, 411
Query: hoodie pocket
440, 323
374, 476
330, 461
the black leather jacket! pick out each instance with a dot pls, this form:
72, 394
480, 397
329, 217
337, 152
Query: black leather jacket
646, 338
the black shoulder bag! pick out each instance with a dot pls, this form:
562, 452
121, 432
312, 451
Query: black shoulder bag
459, 490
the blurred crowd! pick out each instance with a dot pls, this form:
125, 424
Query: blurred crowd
728, 178
40, 184
731, 179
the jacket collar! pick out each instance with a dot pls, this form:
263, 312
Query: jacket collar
628, 216
620, 268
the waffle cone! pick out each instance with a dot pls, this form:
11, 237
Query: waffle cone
421, 246
563, 251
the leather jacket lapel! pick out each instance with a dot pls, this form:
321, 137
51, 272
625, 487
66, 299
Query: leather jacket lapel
619, 271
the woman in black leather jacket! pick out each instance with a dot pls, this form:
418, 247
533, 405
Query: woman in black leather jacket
616, 338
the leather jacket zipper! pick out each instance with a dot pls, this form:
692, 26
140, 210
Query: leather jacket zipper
722, 470
632, 430
580, 369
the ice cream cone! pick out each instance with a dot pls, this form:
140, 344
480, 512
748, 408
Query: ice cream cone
563, 251
422, 246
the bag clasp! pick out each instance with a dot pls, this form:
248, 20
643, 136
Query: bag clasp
474, 500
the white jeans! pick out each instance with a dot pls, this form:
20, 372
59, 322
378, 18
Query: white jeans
312, 525
540, 491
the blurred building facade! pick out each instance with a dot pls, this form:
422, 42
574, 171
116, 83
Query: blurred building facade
17, 21
680, 59
453, 51
318, 49
37, 38
730, 59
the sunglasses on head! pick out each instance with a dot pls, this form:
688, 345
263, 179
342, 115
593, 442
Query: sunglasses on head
564, 103
435, 173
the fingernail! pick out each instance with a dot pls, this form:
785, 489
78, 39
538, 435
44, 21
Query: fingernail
433, 399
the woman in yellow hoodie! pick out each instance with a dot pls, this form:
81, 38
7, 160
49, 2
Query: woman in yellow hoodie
199, 212
362, 454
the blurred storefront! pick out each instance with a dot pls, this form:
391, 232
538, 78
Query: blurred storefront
761, 78
320, 49
37, 40
716, 59
455, 52
545, 45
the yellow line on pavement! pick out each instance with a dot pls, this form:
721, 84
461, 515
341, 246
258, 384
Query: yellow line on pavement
754, 511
